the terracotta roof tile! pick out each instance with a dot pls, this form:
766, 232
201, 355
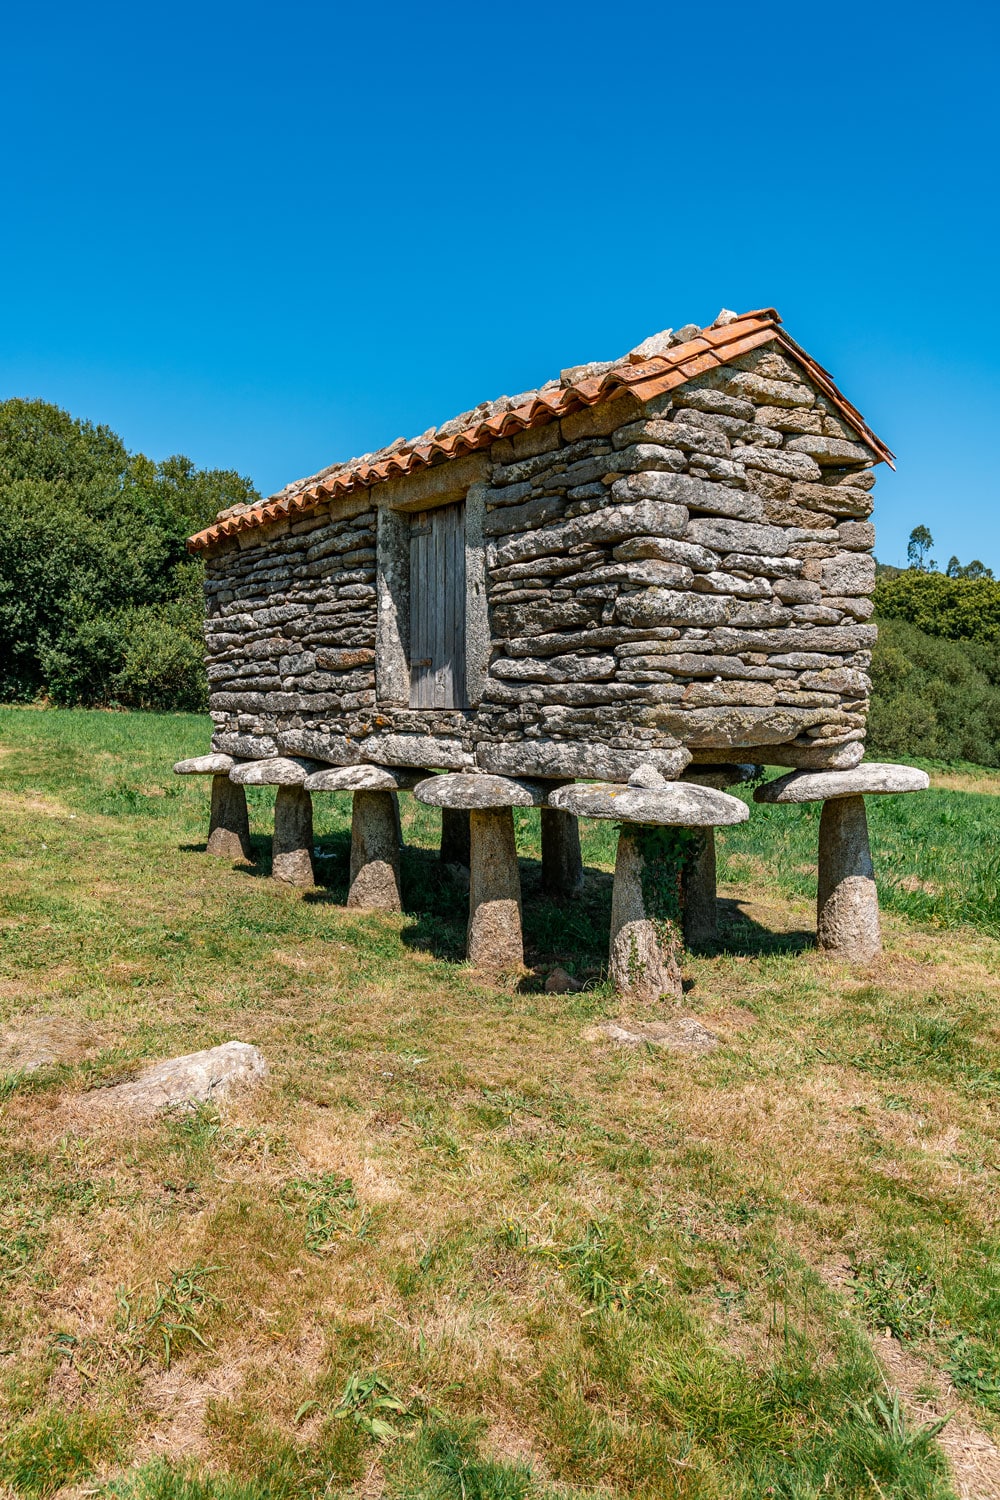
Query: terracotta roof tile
708, 348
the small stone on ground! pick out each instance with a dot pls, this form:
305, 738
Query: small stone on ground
680, 1034
185, 1082
561, 982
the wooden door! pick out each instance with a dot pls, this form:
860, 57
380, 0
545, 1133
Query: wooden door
437, 608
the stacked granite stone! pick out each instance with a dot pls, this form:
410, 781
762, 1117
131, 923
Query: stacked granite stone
694, 571
701, 560
290, 630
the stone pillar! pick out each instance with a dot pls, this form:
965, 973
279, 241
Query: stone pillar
495, 940
229, 825
375, 852
562, 862
455, 836
640, 965
292, 845
847, 921
700, 915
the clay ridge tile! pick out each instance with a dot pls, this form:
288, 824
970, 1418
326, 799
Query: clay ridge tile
709, 349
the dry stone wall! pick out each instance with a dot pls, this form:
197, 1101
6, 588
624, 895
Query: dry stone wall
290, 631
697, 569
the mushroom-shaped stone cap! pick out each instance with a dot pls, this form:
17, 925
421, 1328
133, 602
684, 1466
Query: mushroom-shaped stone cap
826, 786
281, 770
676, 804
205, 765
478, 792
363, 779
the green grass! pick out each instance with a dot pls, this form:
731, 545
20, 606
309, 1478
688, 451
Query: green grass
460, 1245
938, 858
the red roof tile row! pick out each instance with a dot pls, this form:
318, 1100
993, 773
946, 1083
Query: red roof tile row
709, 349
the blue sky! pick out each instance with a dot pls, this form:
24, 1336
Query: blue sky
270, 237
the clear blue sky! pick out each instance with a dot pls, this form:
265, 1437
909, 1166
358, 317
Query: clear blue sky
274, 236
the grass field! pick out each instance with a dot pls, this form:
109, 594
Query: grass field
462, 1246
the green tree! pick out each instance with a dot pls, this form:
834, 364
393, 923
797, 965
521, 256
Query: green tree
974, 569
933, 696
100, 601
919, 545
957, 608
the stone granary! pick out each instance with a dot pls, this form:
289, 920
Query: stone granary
652, 569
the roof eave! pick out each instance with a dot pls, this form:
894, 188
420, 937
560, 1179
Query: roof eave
710, 349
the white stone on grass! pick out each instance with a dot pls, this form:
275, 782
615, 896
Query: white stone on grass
183, 1083
681, 1034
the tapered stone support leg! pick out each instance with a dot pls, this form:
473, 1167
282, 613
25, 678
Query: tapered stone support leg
641, 965
229, 824
847, 920
562, 862
375, 852
700, 905
292, 847
495, 941
455, 836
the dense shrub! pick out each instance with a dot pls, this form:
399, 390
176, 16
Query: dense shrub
100, 603
934, 697
957, 608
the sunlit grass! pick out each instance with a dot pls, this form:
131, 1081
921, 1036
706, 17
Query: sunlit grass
563, 1269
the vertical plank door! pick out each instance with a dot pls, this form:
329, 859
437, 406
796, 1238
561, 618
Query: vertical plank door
437, 608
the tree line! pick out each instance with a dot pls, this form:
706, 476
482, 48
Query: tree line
100, 603
936, 667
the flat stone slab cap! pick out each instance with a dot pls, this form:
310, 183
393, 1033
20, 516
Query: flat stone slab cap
185, 1082
282, 770
363, 779
481, 792
205, 765
674, 803
825, 786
